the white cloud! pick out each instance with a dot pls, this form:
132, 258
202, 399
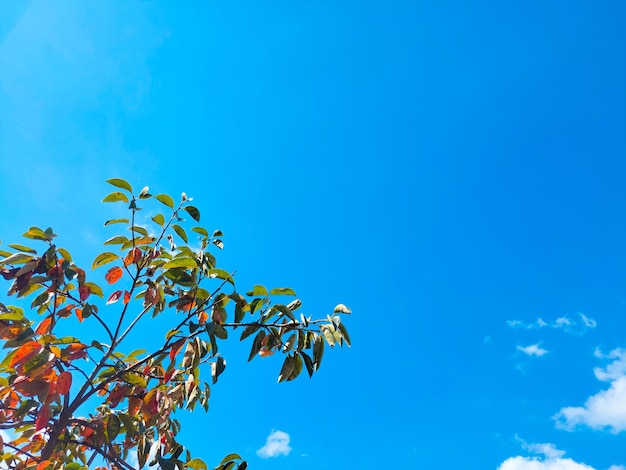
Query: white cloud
551, 459
589, 323
607, 408
617, 467
532, 350
277, 443
564, 323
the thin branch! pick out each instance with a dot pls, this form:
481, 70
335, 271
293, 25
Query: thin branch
17, 449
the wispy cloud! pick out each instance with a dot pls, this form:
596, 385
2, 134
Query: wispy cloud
607, 408
532, 350
277, 443
569, 325
550, 458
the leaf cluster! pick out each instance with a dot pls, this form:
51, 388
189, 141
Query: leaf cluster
148, 270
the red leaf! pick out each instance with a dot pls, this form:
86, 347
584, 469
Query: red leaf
115, 296
169, 375
84, 292
176, 347
113, 275
42, 418
64, 382
126, 297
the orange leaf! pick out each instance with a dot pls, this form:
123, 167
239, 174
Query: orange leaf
115, 296
60, 299
113, 275
66, 311
79, 314
44, 326
25, 352
264, 352
44, 465
126, 297
42, 418
84, 292
74, 351
203, 317
133, 256
64, 382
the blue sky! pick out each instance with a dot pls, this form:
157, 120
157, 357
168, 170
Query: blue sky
455, 172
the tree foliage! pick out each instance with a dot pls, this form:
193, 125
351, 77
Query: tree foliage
66, 402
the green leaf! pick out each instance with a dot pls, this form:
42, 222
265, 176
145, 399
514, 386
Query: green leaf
218, 233
221, 274
250, 329
115, 197
116, 221
328, 334
120, 183
196, 464
344, 333
159, 219
256, 344
256, 291
36, 233
318, 351
193, 212
17, 316
118, 240
129, 425
180, 232
283, 291
181, 262
200, 230
284, 310
341, 308
65, 254
95, 289
308, 362
23, 248
113, 427
229, 458
104, 258
217, 368
16, 258
287, 369
165, 199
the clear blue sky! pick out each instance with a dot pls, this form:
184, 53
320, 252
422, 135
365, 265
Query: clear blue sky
455, 172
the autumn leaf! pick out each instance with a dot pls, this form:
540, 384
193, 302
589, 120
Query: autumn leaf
25, 352
42, 418
176, 347
44, 326
84, 293
64, 382
113, 275
74, 351
133, 256
115, 296
126, 297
